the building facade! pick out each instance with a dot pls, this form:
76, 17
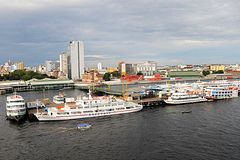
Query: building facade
99, 66
92, 76
19, 65
217, 67
147, 68
51, 65
63, 58
76, 51
126, 68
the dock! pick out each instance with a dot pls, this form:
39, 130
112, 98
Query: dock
148, 102
35, 85
30, 114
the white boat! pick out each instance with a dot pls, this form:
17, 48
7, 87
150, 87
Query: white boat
184, 98
15, 107
87, 107
221, 92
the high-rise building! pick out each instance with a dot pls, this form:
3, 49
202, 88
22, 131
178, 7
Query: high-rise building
99, 66
65, 64
19, 65
63, 58
40, 69
76, 51
126, 68
49, 65
13, 68
52, 65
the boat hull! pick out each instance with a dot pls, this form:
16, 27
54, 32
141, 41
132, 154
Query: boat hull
82, 116
179, 102
17, 118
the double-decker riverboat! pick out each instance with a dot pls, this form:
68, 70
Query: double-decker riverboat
87, 107
15, 107
184, 98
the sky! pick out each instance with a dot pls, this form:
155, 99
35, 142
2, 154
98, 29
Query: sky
167, 31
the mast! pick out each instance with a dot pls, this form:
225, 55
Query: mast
89, 94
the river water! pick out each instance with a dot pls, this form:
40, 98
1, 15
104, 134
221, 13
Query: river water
211, 131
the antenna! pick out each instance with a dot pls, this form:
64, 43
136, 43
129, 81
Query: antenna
89, 94
43, 93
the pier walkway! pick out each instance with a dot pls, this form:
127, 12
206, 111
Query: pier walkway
155, 101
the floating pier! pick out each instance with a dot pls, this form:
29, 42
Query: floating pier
148, 102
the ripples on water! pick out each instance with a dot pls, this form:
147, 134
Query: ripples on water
211, 131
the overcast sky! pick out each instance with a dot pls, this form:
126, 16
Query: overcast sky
167, 31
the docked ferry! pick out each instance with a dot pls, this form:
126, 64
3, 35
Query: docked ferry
221, 92
184, 98
15, 107
84, 107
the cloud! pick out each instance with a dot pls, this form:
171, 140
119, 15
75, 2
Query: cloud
94, 57
133, 30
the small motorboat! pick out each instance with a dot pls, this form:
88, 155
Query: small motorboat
83, 126
186, 111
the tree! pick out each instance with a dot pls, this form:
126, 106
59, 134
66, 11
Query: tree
218, 72
24, 75
140, 73
116, 74
107, 76
205, 72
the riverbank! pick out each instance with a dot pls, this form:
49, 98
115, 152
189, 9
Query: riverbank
56, 84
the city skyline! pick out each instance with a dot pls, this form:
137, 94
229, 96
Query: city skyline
169, 32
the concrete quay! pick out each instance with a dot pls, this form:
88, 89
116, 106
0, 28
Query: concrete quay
34, 85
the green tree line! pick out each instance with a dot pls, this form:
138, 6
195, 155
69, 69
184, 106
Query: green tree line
107, 76
24, 75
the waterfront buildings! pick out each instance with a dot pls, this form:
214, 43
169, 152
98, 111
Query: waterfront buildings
76, 52
122, 68
72, 61
3, 71
12, 66
49, 66
126, 68
40, 84
92, 76
19, 65
147, 68
185, 74
7, 66
52, 65
99, 66
64, 59
111, 70
40, 68
217, 67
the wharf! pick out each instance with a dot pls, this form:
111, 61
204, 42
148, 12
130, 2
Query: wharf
108, 91
148, 102
35, 85
30, 113
2, 91
133, 96
38, 107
